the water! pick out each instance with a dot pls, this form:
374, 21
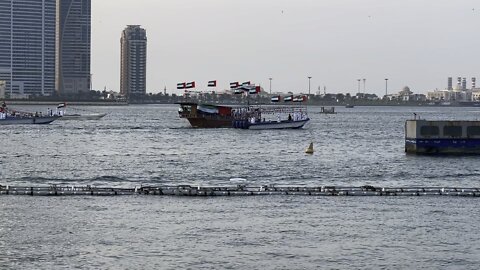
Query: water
150, 145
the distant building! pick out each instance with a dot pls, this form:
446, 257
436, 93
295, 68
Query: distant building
2, 89
27, 51
460, 92
407, 95
133, 70
73, 46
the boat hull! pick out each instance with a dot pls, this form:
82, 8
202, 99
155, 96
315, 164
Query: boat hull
202, 122
28, 120
82, 116
442, 146
274, 125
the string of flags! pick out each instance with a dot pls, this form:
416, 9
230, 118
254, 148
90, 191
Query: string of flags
189, 85
245, 87
185, 85
289, 98
236, 86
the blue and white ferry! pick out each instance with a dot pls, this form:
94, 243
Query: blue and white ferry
270, 117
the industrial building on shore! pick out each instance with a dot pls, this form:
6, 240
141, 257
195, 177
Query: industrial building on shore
458, 93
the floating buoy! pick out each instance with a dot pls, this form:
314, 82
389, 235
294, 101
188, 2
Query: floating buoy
309, 150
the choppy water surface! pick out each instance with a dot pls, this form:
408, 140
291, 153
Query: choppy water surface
150, 145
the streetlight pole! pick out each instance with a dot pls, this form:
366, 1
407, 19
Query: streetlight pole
270, 85
358, 85
364, 91
309, 77
386, 86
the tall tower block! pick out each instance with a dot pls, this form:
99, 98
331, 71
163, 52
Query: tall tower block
133, 64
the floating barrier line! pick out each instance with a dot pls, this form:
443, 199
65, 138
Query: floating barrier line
239, 190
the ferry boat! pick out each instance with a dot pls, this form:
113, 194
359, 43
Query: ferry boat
245, 117
26, 120
442, 137
206, 115
13, 117
269, 117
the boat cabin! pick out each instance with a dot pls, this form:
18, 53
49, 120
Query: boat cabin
462, 137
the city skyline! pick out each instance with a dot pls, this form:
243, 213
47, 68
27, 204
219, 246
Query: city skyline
27, 51
73, 46
334, 42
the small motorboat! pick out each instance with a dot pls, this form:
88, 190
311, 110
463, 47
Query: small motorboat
92, 116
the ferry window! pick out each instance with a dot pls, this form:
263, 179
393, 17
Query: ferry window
473, 131
453, 131
429, 131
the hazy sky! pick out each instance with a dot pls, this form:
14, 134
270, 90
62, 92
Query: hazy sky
418, 43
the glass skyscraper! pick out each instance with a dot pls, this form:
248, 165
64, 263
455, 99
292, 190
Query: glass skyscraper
73, 46
27, 46
133, 66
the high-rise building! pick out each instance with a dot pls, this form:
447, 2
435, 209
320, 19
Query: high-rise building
27, 46
73, 46
2, 89
450, 84
133, 64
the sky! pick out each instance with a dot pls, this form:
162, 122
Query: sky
415, 43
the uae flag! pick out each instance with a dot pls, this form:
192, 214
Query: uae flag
275, 99
181, 85
246, 83
61, 105
299, 98
234, 85
212, 83
190, 85
254, 90
238, 91
288, 98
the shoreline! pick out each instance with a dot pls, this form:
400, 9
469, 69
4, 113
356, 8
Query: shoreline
75, 103
316, 104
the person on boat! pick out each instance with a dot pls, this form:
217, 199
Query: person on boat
289, 117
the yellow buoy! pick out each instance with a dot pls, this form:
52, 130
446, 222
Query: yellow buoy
309, 150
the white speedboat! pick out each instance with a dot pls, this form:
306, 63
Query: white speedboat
92, 116
61, 111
